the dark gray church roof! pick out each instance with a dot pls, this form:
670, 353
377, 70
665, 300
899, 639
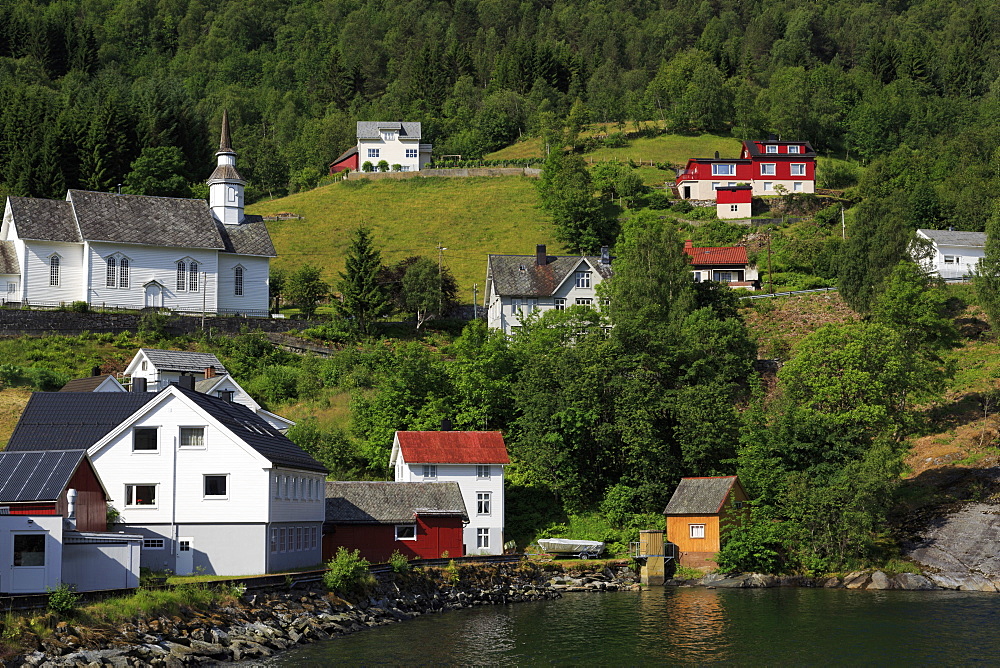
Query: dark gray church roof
44, 219
36, 476
248, 238
72, 420
520, 275
391, 502
139, 219
8, 258
700, 496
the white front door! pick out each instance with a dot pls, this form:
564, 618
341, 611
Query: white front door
154, 295
185, 556
29, 563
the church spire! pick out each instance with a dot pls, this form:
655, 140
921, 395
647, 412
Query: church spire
225, 144
225, 185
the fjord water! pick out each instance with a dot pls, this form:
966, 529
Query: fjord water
688, 625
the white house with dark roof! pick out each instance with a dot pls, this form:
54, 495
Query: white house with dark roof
518, 285
955, 254
398, 143
158, 369
136, 251
207, 483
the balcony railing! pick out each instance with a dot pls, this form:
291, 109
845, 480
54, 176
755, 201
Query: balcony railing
669, 551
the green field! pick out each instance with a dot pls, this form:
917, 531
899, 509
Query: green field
471, 217
675, 149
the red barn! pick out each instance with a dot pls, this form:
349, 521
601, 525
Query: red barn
420, 520
347, 160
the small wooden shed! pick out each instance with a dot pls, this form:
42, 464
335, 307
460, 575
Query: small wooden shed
697, 515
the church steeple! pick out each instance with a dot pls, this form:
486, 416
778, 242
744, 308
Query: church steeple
225, 185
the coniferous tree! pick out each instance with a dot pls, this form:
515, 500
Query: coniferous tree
987, 276
363, 299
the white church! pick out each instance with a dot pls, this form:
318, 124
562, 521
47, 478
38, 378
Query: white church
135, 251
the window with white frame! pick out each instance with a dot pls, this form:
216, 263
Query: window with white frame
123, 275
723, 169
767, 169
430, 470
798, 169
794, 149
388, 135
771, 148
281, 539
560, 303
192, 437
582, 279
584, 301
145, 439
951, 259
373, 152
696, 530
768, 185
734, 207
274, 539
193, 277
483, 538
716, 185
238, 281
54, 270
483, 502
111, 278
411, 153
299, 542
406, 532
153, 544
216, 486
139, 496
797, 187
11, 288
483, 471
181, 275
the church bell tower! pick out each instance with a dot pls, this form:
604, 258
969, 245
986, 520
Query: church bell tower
225, 185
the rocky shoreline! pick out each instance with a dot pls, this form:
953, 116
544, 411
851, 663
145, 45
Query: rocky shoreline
259, 624
873, 580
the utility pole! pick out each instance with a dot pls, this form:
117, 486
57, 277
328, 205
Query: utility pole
770, 282
204, 297
843, 227
475, 301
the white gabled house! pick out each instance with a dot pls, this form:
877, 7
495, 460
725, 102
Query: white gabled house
398, 143
136, 251
157, 369
518, 285
473, 459
955, 254
209, 485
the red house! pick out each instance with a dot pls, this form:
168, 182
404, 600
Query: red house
764, 164
347, 160
420, 520
53, 482
725, 264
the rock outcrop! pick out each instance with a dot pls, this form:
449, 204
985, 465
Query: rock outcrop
961, 548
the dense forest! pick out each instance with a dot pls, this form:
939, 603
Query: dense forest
90, 86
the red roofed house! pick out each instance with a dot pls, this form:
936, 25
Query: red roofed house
725, 264
473, 459
764, 164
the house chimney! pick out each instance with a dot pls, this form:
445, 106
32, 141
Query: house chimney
688, 244
210, 372
541, 258
95, 371
772, 137
138, 384
445, 424
605, 255
186, 382
71, 509
716, 155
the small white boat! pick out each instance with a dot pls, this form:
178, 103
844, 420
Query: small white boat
585, 549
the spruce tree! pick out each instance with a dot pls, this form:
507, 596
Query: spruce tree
987, 276
362, 298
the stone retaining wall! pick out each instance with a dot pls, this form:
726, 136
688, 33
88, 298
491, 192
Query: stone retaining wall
19, 322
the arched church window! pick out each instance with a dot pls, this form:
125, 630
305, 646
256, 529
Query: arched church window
123, 277
111, 280
54, 270
181, 276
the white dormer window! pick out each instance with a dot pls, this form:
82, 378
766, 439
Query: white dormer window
794, 149
771, 148
388, 135
54, 270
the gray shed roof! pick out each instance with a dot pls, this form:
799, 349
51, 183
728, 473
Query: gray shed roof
72, 420
248, 238
182, 360
370, 129
700, 496
8, 258
956, 238
391, 502
44, 219
139, 219
519, 275
37, 476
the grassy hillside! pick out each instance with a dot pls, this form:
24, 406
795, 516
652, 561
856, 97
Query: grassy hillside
674, 149
470, 217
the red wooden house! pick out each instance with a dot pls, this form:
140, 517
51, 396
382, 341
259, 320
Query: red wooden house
43, 482
765, 165
725, 264
347, 160
420, 520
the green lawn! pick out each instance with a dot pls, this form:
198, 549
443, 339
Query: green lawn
471, 217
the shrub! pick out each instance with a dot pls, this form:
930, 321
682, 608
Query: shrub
658, 200
79, 307
399, 562
112, 515
383, 165
43, 379
62, 599
347, 570
396, 167
367, 166
682, 206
